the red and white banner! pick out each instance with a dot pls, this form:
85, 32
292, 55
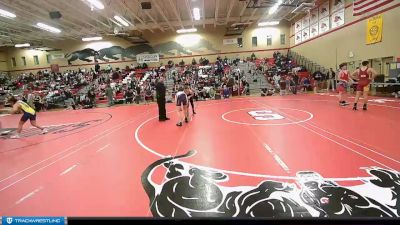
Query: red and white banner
364, 6
297, 26
337, 19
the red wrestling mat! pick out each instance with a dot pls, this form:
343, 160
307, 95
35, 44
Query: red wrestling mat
291, 156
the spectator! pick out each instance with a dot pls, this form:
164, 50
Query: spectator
318, 79
110, 95
129, 95
69, 99
331, 77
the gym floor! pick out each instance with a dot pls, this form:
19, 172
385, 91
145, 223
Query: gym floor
290, 156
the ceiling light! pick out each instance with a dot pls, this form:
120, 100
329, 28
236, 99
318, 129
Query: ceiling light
48, 28
116, 23
96, 3
92, 38
22, 45
7, 14
196, 13
275, 7
182, 31
121, 20
269, 23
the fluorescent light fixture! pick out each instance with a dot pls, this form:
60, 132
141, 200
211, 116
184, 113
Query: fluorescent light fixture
273, 9
121, 20
182, 31
269, 23
48, 28
7, 14
92, 38
22, 45
96, 3
196, 13
116, 23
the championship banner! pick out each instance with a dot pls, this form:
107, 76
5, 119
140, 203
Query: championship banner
306, 34
305, 21
314, 16
314, 30
297, 38
374, 29
324, 9
146, 58
323, 25
337, 18
297, 26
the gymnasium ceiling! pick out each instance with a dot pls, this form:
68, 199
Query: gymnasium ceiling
78, 20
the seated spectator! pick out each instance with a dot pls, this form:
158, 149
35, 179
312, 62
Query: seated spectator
282, 86
87, 103
225, 92
318, 78
129, 95
306, 84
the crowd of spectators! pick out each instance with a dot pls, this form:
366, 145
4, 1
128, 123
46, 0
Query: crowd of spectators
136, 83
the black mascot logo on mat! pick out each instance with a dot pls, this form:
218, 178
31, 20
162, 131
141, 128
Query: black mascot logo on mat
193, 192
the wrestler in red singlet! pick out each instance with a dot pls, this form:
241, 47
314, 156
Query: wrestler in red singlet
343, 80
364, 75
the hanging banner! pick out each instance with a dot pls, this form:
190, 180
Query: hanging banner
297, 38
230, 41
323, 25
337, 5
57, 56
374, 29
305, 21
55, 68
314, 16
337, 18
297, 26
314, 30
324, 9
146, 58
305, 34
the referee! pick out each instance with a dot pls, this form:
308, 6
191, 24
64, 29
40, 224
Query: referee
160, 89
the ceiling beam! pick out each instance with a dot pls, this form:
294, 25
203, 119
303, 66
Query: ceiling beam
176, 13
229, 10
163, 15
216, 13
68, 19
134, 15
146, 11
18, 33
252, 14
243, 9
188, 22
45, 12
189, 11
25, 17
76, 7
152, 19
266, 15
203, 11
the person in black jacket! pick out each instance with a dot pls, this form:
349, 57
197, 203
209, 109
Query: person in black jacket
160, 89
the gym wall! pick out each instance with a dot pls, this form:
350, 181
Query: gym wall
331, 49
3, 62
205, 43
